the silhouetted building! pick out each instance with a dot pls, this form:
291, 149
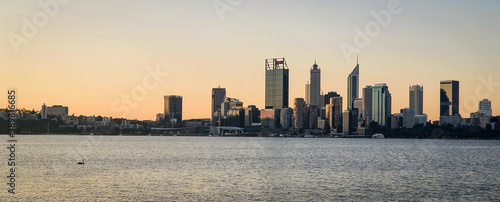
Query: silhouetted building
270, 118
276, 83
330, 95
312, 116
315, 87
173, 110
352, 87
286, 117
381, 105
57, 110
338, 106
367, 104
299, 107
218, 95
350, 121
236, 117
252, 115
449, 98
408, 117
417, 99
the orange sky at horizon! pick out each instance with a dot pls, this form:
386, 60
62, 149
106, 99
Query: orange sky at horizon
87, 57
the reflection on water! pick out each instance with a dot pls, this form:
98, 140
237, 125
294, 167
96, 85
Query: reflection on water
234, 169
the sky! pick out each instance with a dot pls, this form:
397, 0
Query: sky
119, 58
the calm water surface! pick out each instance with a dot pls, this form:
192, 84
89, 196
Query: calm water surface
264, 169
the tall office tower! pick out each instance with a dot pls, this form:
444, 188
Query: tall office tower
449, 98
218, 95
485, 107
352, 86
173, 110
367, 104
417, 99
330, 95
298, 113
308, 93
276, 83
43, 112
381, 105
338, 106
315, 87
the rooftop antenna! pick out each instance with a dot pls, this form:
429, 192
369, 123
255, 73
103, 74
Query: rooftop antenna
357, 60
314, 60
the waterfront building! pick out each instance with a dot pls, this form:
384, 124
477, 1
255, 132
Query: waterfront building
417, 99
277, 73
173, 110
352, 86
218, 96
381, 104
315, 86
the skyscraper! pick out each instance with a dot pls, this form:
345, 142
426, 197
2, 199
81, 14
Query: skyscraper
352, 86
367, 104
218, 95
449, 98
330, 95
315, 87
485, 107
381, 105
299, 107
276, 83
417, 99
173, 110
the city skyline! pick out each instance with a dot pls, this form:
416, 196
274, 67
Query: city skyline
73, 61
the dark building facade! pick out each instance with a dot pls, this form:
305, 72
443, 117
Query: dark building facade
218, 95
173, 110
277, 74
449, 98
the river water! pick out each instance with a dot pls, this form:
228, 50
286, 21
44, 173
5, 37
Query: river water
154, 168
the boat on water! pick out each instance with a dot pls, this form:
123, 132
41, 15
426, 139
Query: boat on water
378, 135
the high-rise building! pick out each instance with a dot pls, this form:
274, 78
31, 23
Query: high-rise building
417, 99
315, 87
43, 112
299, 107
330, 95
338, 106
308, 93
485, 107
367, 104
276, 83
173, 110
352, 86
218, 95
449, 98
381, 105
